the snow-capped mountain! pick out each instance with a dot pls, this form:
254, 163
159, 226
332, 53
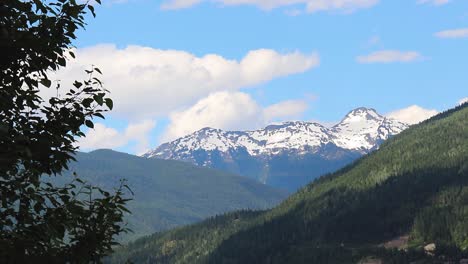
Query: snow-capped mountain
364, 129
292, 144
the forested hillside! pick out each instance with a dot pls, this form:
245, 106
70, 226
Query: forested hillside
415, 185
171, 193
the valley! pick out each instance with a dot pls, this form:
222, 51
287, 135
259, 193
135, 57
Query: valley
416, 184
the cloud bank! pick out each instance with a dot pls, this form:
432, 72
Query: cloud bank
229, 111
106, 137
412, 114
389, 56
453, 33
434, 2
146, 83
311, 6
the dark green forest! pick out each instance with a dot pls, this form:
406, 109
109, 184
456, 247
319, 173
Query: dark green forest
415, 185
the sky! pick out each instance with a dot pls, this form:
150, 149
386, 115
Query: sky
176, 66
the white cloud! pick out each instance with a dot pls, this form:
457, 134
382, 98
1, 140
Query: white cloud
453, 33
340, 5
106, 137
139, 132
389, 56
101, 137
311, 6
463, 100
229, 111
412, 114
147, 83
434, 2
225, 110
294, 12
284, 110
179, 4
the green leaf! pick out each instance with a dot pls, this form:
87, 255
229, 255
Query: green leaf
99, 115
98, 98
89, 123
61, 61
77, 84
87, 102
46, 82
109, 103
91, 8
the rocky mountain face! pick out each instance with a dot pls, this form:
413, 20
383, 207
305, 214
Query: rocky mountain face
286, 155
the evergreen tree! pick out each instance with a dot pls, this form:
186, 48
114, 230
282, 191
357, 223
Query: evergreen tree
41, 222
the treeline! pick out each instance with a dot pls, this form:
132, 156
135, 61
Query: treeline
415, 185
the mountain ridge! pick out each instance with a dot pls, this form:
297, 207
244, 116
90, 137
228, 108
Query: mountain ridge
169, 193
286, 146
261, 137
415, 185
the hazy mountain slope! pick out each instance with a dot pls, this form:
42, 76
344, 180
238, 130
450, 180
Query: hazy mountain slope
172, 193
286, 155
416, 184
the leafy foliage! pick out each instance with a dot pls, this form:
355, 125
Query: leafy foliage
416, 184
40, 222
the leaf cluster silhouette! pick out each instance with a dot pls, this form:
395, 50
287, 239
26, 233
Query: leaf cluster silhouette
41, 222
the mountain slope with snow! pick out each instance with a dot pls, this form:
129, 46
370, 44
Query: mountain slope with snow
285, 155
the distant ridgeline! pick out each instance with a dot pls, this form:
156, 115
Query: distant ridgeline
287, 155
171, 193
415, 187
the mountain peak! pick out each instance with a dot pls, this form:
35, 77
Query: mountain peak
262, 153
362, 114
290, 124
362, 129
209, 129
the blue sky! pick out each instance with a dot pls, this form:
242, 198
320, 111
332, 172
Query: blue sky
176, 66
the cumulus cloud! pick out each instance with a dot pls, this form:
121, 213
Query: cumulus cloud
389, 56
284, 110
229, 111
412, 114
146, 83
139, 132
102, 136
453, 33
311, 6
434, 2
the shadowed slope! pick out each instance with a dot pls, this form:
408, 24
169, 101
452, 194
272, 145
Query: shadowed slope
416, 184
172, 193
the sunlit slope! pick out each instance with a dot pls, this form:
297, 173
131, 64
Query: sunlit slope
416, 185
171, 193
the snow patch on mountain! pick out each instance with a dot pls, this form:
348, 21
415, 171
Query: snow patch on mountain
362, 129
